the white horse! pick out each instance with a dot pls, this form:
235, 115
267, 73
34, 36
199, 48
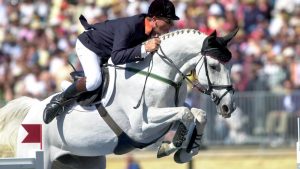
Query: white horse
144, 105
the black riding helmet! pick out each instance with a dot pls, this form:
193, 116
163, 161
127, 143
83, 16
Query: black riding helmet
162, 8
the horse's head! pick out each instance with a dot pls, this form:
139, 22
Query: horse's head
179, 53
213, 73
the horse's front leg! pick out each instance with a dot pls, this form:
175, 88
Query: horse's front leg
191, 145
184, 155
166, 116
178, 141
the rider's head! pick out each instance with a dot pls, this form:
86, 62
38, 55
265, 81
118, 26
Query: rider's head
162, 14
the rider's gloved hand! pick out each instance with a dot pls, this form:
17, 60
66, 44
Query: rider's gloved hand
152, 44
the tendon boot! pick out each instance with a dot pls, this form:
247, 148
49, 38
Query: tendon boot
62, 100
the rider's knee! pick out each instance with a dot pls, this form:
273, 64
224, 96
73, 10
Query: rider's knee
93, 83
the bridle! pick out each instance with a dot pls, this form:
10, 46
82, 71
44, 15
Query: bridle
211, 87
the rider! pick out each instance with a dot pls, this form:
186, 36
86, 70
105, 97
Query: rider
122, 40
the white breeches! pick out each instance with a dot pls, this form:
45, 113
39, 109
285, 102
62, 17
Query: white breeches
90, 63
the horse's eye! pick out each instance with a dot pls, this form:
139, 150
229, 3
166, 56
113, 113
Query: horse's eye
213, 67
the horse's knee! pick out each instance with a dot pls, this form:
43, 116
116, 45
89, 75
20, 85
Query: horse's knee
200, 115
187, 116
93, 83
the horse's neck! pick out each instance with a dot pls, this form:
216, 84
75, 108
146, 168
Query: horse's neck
181, 47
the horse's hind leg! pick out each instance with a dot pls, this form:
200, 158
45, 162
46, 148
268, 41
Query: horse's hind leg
79, 162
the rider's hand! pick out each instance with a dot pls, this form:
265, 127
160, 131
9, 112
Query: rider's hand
152, 44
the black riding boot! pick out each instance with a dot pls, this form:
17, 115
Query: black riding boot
60, 101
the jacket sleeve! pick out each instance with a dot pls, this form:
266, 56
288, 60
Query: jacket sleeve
121, 52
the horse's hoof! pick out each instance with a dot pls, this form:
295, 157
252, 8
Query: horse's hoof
181, 156
165, 149
162, 150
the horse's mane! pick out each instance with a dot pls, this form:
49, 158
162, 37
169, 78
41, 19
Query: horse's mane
179, 32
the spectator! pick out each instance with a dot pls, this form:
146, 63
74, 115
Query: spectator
239, 81
232, 130
131, 163
277, 121
34, 31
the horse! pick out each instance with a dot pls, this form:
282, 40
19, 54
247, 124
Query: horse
144, 99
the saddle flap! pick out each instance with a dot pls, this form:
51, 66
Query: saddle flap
90, 97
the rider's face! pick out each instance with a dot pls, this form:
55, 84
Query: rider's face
162, 25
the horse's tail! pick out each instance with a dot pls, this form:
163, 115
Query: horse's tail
11, 117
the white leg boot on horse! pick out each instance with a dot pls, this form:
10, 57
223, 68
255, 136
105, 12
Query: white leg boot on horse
184, 155
60, 101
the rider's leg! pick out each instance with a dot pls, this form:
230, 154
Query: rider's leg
90, 63
59, 101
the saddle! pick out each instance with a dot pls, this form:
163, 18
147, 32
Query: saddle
90, 97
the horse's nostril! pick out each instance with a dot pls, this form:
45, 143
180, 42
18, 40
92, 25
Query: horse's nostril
225, 108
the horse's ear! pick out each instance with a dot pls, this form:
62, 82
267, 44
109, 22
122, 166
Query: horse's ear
213, 34
228, 37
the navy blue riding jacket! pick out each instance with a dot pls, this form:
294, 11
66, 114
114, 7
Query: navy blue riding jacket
119, 39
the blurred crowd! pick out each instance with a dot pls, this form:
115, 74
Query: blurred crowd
37, 39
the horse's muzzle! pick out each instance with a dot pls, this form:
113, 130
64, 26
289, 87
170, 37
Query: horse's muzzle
226, 111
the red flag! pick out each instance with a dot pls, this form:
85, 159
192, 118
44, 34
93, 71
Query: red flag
34, 133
